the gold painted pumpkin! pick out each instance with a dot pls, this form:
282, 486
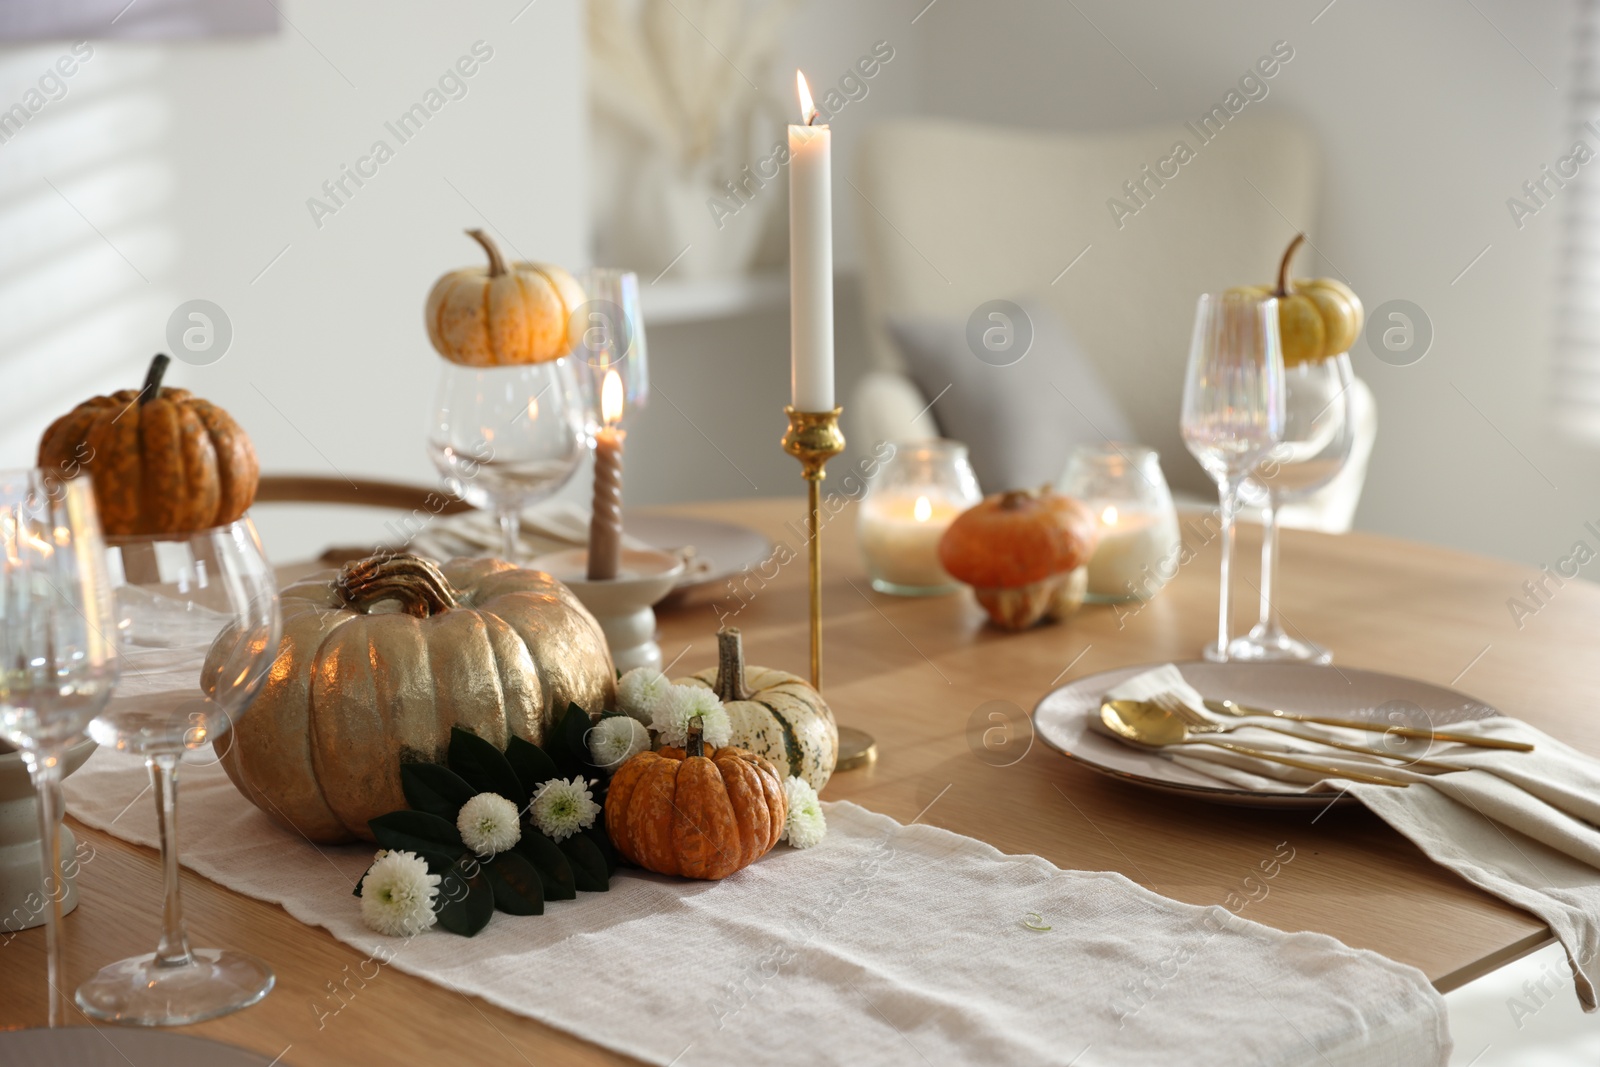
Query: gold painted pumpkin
503, 314
774, 714
378, 662
693, 812
1317, 318
163, 461
1022, 551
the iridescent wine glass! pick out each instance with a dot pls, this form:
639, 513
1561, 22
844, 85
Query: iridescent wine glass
1232, 410
58, 653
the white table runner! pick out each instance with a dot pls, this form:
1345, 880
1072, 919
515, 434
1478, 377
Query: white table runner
887, 944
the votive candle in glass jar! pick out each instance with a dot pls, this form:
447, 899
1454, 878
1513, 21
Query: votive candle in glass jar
917, 492
1139, 538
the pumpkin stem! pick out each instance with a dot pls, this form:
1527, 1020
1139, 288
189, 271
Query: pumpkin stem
497, 262
1012, 499
1283, 266
695, 744
152, 379
730, 666
417, 584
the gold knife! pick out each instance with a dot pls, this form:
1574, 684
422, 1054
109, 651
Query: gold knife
1229, 707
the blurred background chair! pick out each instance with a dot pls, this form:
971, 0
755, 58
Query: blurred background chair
964, 214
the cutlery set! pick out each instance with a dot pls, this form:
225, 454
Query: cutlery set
1166, 719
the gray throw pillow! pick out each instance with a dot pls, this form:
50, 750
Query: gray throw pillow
1014, 386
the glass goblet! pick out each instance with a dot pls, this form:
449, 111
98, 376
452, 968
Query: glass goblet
507, 437
608, 334
58, 653
199, 622
1232, 410
1318, 432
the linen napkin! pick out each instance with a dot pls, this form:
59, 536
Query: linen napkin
1519, 825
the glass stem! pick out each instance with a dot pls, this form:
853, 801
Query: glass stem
1269, 565
174, 948
1230, 513
510, 533
45, 769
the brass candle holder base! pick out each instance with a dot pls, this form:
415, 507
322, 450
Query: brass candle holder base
814, 438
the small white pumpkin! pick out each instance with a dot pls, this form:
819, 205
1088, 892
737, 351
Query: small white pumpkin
773, 713
502, 314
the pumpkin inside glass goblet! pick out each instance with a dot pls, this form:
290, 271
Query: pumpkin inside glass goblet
198, 623
507, 437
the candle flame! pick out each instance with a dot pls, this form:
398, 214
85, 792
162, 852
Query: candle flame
533, 408
808, 109
611, 398
1109, 516
923, 510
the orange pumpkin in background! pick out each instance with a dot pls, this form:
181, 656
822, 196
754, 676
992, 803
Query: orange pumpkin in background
695, 813
1023, 552
163, 461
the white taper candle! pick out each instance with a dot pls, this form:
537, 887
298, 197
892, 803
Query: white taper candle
810, 260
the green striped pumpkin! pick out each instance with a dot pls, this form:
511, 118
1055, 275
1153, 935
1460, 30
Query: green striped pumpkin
774, 713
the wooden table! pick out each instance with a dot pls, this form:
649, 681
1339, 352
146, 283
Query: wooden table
913, 672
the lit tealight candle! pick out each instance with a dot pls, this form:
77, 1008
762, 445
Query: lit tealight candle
1124, 565
900, 537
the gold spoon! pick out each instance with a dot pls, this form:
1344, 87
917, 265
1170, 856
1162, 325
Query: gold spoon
1148, 724
1228, 707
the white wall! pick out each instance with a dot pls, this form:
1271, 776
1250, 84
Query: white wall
195, 161
1430, 114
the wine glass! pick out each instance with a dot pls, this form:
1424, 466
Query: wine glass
608, 334
1318, 431
58, 653
507, 437
199, 624
1232, 409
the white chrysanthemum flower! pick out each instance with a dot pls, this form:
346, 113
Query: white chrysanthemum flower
639, 690
489, 823
397, 895
805, 824
617, 739
682, 705
562, 807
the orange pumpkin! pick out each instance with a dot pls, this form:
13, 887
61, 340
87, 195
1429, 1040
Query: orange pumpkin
694, 813
163, 461
1021, 552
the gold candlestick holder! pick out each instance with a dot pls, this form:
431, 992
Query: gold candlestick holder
814, 438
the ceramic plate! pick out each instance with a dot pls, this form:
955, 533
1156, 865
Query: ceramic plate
721, 549
1063, 716
116, 1046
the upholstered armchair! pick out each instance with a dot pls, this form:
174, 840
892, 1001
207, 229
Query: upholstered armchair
1084, 227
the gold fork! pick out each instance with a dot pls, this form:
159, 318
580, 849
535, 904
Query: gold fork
1200, 724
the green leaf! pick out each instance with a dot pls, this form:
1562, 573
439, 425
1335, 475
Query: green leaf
429, 836
466, 901
588, 865
532, 765
434, 789
572, 745
518, 889
602, 841
484, 767
551, 863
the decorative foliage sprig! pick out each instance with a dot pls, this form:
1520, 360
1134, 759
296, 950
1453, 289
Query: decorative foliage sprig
464, 850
